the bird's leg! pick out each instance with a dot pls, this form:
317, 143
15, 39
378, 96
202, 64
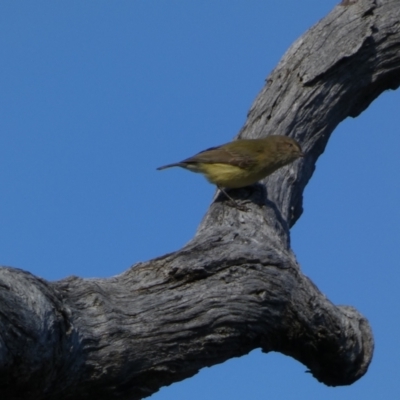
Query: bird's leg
232, 201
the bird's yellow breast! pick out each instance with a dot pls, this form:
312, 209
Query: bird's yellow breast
228, 176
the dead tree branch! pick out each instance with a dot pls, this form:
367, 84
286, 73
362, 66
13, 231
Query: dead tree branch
237, 285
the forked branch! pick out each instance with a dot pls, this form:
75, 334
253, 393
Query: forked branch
237, 285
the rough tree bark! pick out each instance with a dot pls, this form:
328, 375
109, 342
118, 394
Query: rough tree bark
236, 286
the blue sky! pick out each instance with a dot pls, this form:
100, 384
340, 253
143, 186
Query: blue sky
94, 95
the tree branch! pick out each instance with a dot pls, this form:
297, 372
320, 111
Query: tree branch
237, 285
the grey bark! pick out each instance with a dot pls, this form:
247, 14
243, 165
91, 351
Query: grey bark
237, 285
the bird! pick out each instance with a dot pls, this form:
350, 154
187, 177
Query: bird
242, 162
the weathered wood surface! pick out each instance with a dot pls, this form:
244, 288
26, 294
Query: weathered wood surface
237, 285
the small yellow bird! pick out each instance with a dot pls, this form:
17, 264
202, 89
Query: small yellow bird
242, 162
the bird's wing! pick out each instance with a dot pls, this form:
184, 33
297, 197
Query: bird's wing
221, 155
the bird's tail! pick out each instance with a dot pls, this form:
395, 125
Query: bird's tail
169, 166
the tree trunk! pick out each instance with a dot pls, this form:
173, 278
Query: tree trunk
236, 285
